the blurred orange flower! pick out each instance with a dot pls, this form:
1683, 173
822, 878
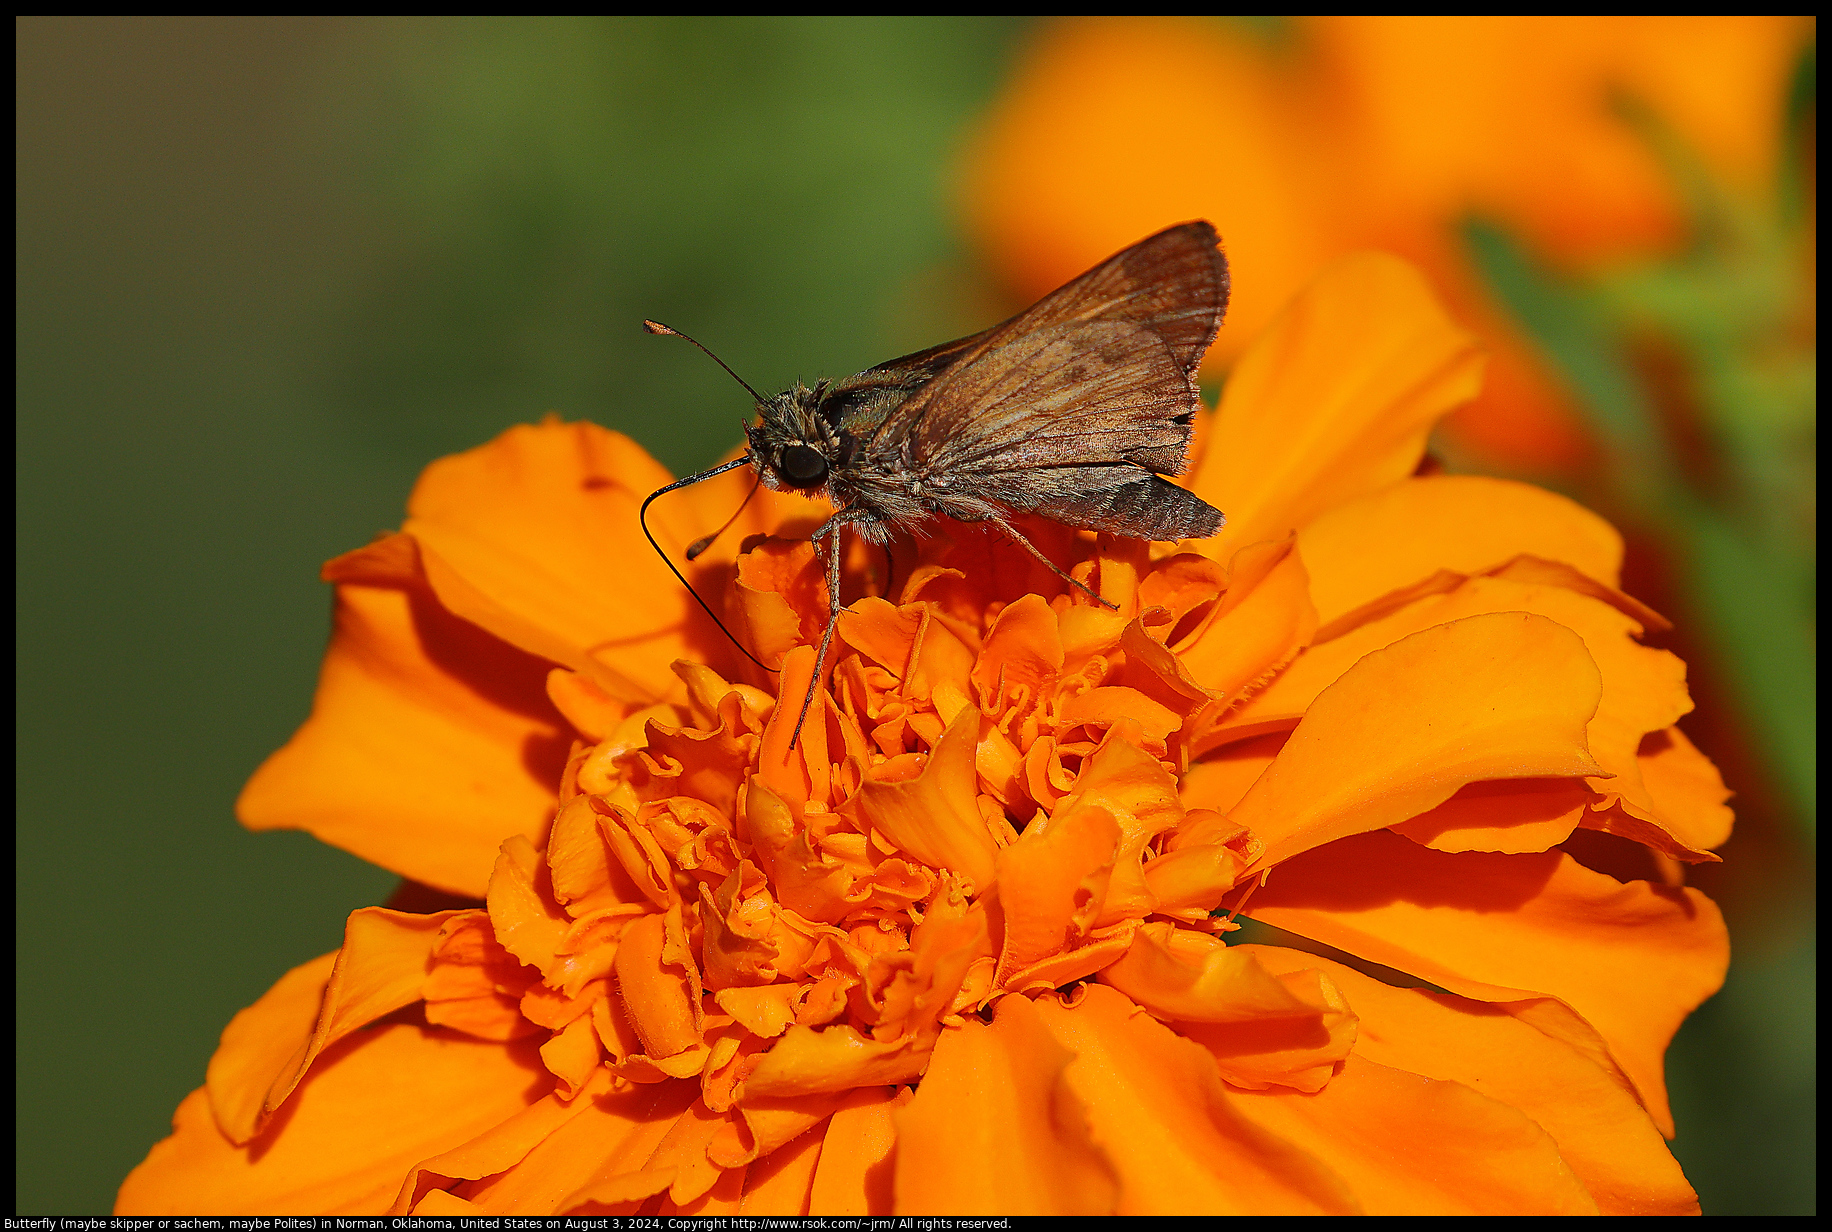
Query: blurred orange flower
962, 948
1345, 132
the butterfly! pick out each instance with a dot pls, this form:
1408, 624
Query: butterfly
1073, 410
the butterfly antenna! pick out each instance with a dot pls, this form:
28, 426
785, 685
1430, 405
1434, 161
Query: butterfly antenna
642, 519
700, 545
656, 327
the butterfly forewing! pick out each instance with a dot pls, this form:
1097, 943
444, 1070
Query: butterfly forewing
1081, 391
863, 401
1100, 371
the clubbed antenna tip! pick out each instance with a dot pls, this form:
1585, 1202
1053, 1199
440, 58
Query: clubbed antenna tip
656, 327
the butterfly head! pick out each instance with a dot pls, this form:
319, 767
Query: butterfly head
793, 445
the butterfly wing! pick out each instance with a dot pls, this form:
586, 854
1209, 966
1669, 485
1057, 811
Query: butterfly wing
1068, 409
861, 403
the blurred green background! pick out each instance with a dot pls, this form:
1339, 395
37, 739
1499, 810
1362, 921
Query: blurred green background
268, 269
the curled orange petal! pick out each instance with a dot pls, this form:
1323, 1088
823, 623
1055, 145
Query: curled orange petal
933, 816
660, 988
1605, 1136
1053, 884
1177, 1142
1263, 1029
374, 1104
1500, 696
1364, 549
995, 1130
430, 741
1632, 959
517, 534
381, 968
1481, 1157
1311, 423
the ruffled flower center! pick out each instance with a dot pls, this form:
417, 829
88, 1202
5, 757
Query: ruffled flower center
983, 801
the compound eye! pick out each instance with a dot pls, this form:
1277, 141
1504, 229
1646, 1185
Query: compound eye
802, 466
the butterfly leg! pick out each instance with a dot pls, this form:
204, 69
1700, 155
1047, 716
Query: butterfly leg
830, 529
1017, 537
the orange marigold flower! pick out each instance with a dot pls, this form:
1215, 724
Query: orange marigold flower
1359, 131
963, 948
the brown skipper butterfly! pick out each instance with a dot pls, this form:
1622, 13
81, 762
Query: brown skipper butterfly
1072, 410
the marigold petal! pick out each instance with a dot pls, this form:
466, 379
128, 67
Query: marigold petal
780, 1184
264, 1042
1135, 787
1189, 882
1021, 657
1100, 950
1141, 795
1220, 780
1182, 583
723, 1199
1685, 789
521, 534
573, 1055
528, 923
1467, 524
779, 598
855, 1174
809, 882
995, 1130
1265, 618
1602, 1132
933, 816
765, 1012
500, 1150
1299, 1053
796, 768
430, 740
621, 1193
1467, 1154
438, 1204
553, 1009
684, 1148
1507, 815
1159, 1112
1159, 673
836, 1058
1643, 689
1173, 973
1633, 959
1506, 695
917, 649
939, 974
593, 713
733, 950
585, 875
1262, 1029
700, 764
380, 968
474, 985
1100, 709
1052, 884
373, 1106
638, 855
1333, 401
765, 1125
660, 985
